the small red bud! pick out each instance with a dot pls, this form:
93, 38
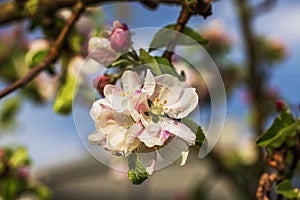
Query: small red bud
280, 105
100, 82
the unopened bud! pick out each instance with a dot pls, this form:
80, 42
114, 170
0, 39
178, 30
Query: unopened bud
120, 39
280, 105
100, 82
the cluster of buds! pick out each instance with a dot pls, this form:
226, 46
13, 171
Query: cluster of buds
108, 48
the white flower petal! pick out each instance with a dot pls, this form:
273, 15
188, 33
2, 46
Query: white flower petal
96, 138
116, 98
153, 138
186, 104
130, 82
167, 88
138, 104
176, 151
149, 83
179, 129
96, 109
101, 51
115, 139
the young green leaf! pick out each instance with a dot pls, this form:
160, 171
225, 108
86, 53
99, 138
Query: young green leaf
274, 132
150, 62
200, 136
285, 188
164, 36
36, 58
64, 99
19, 158
137, 173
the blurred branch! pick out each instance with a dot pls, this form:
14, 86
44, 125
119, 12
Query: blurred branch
263, 7
52, 55
12, 10
256, 80
256, 76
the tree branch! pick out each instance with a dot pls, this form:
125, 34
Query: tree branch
52, 55
12, 10
197, 7
181, 22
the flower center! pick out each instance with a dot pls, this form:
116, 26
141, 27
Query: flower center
157, 109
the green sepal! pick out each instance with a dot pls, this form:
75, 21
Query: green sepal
137, 173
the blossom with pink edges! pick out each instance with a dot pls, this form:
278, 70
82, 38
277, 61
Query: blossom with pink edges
144, 113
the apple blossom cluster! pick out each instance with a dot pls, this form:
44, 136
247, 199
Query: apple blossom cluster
141, 111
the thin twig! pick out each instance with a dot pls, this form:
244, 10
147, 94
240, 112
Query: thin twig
52, 55
181, 22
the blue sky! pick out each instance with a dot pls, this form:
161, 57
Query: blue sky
53, 139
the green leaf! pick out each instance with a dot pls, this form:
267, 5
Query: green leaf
137, 173
285, 188
166, 67
274, 132
288, 131
164, 36
19, 158
150, 61
200, 136
64, 99
36, 58
10, 109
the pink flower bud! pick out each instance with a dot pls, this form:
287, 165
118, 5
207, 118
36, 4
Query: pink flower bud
120, 38
23, 172
280, 105
100, 82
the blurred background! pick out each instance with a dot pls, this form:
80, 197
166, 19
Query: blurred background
230, 171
